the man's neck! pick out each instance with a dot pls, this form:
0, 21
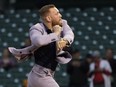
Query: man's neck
48, 25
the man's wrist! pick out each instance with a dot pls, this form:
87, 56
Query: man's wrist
67, 42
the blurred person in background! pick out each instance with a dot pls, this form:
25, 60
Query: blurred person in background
100, 71
7, 62
109, 56
77, 70
85, 67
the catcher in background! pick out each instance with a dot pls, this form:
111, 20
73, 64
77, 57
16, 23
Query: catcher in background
48, 40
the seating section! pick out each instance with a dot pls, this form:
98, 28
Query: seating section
93, 28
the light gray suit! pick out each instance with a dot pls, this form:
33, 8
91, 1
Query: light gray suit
41, 76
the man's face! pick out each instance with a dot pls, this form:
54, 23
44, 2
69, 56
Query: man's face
56, 17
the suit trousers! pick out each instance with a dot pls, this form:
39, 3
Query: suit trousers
41, 77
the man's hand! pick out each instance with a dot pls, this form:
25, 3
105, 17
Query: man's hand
61, 44
57, 29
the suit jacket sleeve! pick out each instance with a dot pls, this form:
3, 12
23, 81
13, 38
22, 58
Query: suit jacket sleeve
38, 38
67, 32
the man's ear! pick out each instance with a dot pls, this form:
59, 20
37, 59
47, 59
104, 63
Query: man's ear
48, 18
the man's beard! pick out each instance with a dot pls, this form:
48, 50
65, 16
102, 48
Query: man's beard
57, 23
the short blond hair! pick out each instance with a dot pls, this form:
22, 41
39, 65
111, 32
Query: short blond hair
45, 9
